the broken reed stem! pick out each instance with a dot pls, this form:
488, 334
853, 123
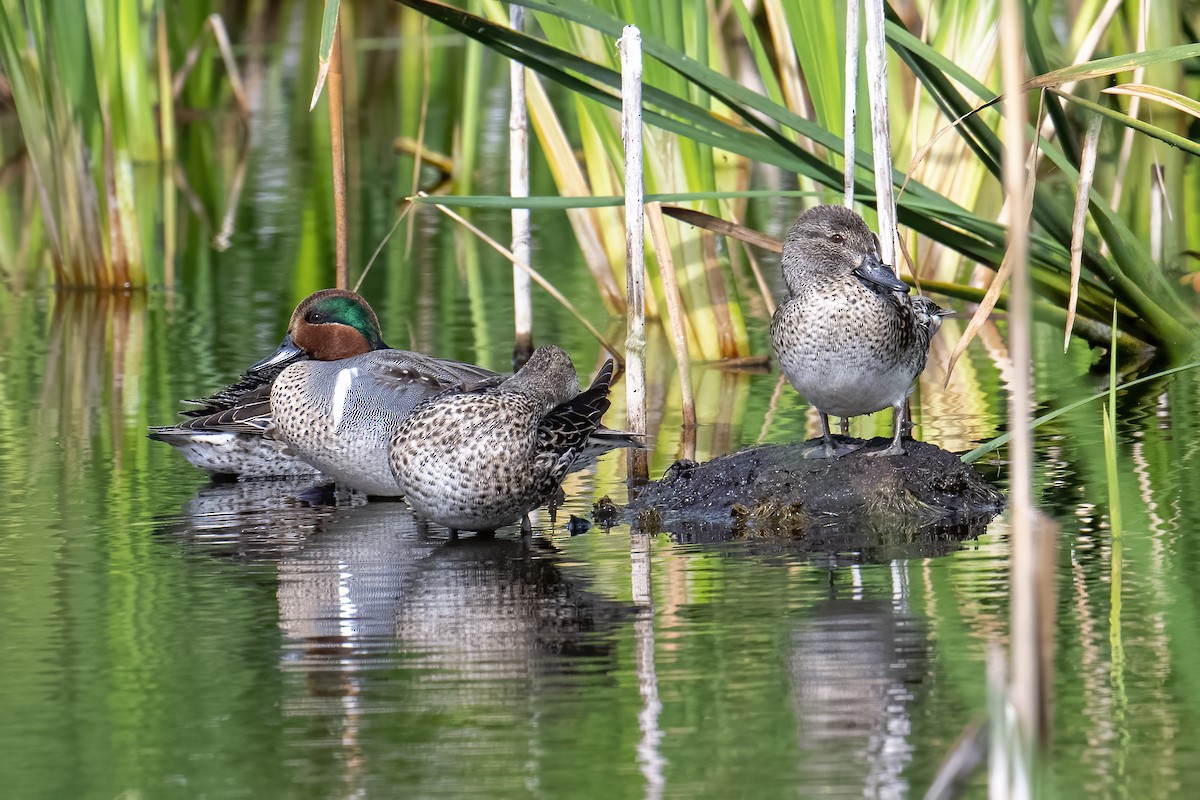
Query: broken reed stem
518, 186
666, 268
630, 46
337, 146
1025, 677
851, 100
881, 139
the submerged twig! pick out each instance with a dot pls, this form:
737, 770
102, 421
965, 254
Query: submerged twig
220, 240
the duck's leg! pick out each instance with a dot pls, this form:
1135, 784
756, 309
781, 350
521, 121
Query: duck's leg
898, 420
844, 425
526, 527
829, 448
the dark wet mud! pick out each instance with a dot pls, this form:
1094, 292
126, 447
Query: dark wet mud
856, 502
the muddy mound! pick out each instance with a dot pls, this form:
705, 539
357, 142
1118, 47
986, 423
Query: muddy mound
852, 502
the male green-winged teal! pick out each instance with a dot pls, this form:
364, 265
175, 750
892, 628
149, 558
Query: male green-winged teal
342, 392
848, 337
224, 435
483, 459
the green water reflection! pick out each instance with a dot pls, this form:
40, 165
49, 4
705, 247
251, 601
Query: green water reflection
160, 636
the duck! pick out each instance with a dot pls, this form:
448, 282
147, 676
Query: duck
224, 435
340, 392
848, 337
479, 460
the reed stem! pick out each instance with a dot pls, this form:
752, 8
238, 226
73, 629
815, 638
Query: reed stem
337, 144
851, 100
630, 45
881, 137
675, 310
1025, 677
518, 186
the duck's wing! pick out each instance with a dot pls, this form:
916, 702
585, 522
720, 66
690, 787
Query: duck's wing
249, 411
569, 425
418, 375
251, 381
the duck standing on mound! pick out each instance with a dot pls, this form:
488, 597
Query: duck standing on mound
849, 338
481, 460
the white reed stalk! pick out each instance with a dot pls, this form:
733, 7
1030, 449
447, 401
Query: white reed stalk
518, 186
649, 755
881, 138
630, 46
1025, 680
851, 101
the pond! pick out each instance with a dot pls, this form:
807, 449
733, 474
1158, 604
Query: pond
164, 636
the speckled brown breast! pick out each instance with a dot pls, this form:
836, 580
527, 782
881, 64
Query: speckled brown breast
847, 349
473, 461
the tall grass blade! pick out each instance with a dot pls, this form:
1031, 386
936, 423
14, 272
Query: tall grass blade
1157, 94
1018, 158
998, 442
1108, 66
1087, 171
329, 21
850, 102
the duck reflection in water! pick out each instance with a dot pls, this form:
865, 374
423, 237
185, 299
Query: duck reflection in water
855, 665
379, 616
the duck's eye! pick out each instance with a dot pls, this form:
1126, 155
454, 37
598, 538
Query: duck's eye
836, 238
316, 318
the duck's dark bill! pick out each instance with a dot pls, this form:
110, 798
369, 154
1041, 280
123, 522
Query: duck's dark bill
286, 353
876, 274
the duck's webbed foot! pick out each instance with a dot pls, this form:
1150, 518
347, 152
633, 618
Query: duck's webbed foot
895, 448
831, 449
